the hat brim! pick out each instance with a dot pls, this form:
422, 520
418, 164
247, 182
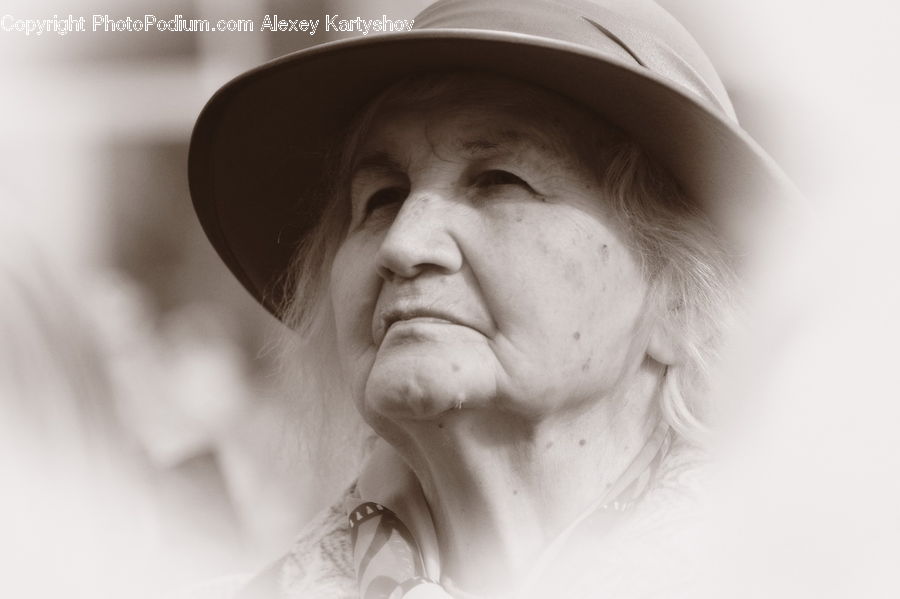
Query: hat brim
258, 150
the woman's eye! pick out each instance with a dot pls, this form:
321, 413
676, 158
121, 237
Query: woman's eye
386, 197
497, 177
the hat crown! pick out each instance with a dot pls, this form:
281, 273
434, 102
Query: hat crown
631, 31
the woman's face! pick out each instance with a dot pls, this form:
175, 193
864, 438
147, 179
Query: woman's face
481, 269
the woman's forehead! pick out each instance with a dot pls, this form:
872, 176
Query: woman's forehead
477, 133
478, 117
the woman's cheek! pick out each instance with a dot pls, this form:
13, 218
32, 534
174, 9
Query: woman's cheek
354, 291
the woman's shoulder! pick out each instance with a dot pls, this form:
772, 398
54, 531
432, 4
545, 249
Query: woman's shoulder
653, 551
319, 563
658, 552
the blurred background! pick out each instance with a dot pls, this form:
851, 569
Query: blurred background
145, 438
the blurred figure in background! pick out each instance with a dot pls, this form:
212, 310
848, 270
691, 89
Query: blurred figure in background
131, 453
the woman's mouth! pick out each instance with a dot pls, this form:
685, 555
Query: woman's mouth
411, 316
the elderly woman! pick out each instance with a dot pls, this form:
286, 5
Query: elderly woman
510, 239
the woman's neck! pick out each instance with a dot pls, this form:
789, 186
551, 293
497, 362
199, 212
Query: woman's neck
501, 488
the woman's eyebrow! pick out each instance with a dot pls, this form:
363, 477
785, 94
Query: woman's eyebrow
378, 161
479, 146
504, 140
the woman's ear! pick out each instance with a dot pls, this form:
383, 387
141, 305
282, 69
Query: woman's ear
663, 337
662, 345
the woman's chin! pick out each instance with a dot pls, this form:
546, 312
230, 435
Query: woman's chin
419, 384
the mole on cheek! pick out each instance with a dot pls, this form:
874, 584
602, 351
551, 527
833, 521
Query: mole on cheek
604, 252
586, 366
582, 442
455, 367
576, 336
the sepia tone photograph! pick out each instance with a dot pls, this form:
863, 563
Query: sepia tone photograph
509, 299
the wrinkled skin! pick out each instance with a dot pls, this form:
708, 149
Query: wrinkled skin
481, 270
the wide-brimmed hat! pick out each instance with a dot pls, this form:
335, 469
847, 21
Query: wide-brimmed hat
259, 148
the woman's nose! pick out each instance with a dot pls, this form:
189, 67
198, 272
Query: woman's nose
419, 239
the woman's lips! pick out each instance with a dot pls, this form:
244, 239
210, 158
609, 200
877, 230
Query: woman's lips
424, 315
